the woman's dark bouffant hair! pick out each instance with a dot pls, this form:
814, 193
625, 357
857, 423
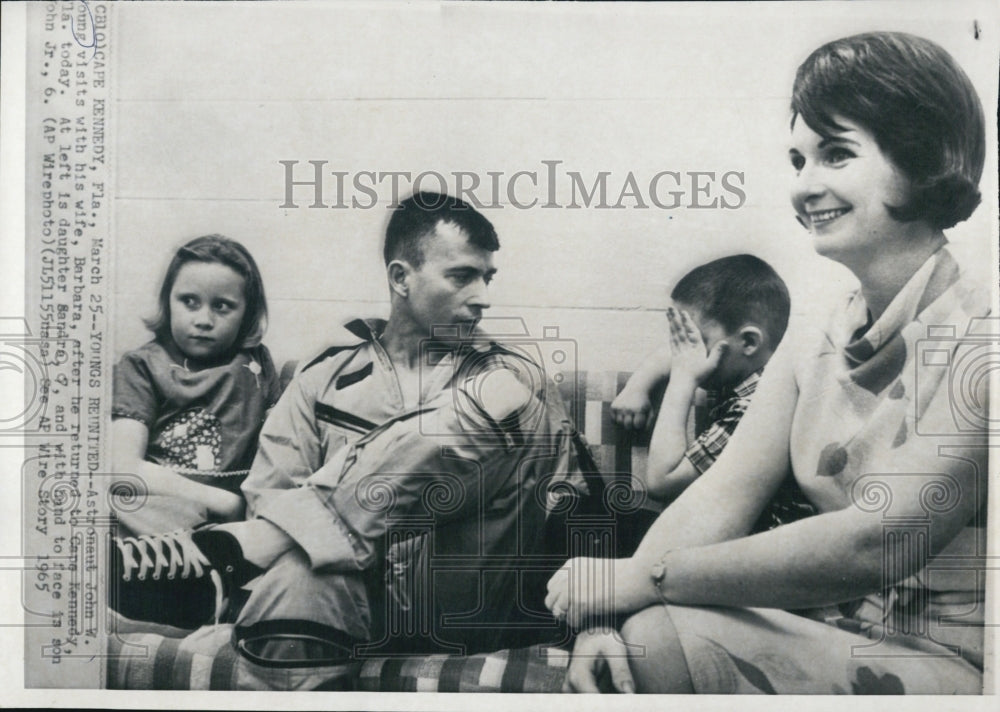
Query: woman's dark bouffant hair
221, 250
918, 104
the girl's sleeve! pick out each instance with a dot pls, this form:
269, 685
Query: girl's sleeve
134, 395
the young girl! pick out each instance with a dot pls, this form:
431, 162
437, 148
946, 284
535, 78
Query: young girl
887, 147
188, 405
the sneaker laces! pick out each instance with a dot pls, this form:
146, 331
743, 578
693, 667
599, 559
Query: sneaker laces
163, 552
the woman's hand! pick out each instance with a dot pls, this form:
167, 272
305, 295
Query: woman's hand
578, 591
595, 651
589, 591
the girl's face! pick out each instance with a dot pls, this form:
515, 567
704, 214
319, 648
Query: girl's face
843, 184
207, 305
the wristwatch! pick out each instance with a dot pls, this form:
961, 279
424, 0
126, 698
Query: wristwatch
658, 573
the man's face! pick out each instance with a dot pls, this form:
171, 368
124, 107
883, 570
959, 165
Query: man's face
450, 288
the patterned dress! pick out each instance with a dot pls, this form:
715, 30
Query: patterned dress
202, 423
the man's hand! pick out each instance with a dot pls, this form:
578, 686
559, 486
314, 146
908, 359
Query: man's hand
595, 651
689, 358
631, 408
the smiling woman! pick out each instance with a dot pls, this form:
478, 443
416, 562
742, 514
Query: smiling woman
887, 145
845, 189
920, 107
888, 148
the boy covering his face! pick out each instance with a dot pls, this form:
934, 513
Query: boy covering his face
727, 318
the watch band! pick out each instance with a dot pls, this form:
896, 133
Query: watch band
658, 573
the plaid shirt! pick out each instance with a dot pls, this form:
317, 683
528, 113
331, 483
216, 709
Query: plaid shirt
723, 419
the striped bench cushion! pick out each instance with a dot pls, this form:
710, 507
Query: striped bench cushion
205, 659
533, 669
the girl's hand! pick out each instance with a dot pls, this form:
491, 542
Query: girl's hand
226, 506
689, 356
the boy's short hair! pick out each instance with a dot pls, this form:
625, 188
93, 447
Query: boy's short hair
919, 105
418, 216
736, 290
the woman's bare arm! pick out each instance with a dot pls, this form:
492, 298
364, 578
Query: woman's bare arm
719, 506
836, 556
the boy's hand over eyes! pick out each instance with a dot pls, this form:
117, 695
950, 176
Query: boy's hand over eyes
689, 356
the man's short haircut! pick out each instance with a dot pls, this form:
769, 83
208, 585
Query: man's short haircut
418, 216
919, 105
736, 290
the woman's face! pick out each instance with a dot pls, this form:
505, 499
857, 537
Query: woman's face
842, 186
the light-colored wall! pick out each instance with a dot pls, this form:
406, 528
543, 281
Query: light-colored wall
199, 129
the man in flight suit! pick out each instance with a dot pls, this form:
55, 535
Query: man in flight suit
399, 482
